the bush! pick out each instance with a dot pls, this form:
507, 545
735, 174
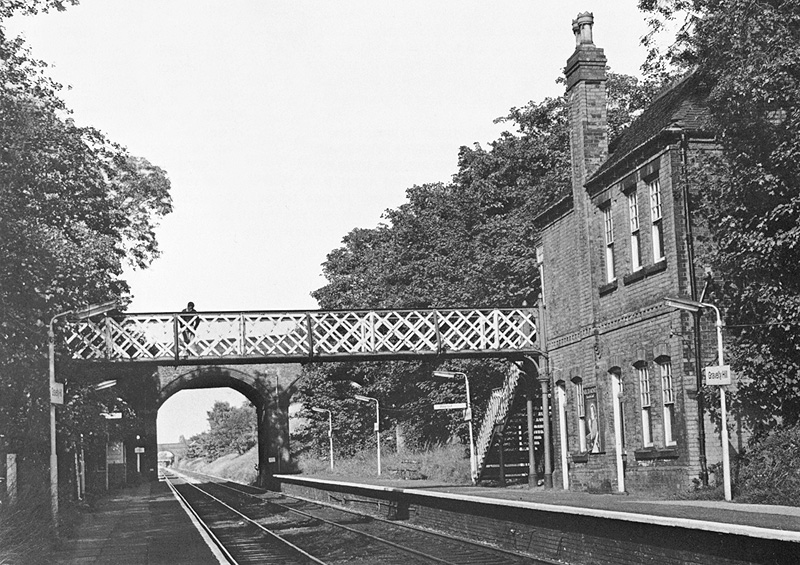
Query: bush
25, 528
448, 463
770, 470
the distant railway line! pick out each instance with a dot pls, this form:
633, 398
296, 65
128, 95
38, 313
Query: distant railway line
250, 525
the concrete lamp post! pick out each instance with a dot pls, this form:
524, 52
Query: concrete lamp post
57, 390
473, 471
363, 398
330, 429
695, 307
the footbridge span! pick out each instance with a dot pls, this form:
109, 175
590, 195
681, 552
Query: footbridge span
207, 349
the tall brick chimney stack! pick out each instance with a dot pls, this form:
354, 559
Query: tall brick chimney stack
586, 98
586, 105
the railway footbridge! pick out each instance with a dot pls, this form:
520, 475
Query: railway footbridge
258, 353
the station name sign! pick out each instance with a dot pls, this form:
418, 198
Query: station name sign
718, 375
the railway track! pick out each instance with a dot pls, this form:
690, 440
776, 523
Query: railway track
251, 525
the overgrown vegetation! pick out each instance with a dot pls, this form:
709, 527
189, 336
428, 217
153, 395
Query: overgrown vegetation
769, 472
24, 527
74, 208
231, 430
747, 53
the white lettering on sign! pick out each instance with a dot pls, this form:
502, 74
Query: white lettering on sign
453, 406
57, 393
718, 375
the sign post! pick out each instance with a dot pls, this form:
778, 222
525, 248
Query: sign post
720, 375
138, 451
467, 407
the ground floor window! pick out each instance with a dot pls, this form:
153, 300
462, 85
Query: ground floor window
668, 397
581, 413
644, 396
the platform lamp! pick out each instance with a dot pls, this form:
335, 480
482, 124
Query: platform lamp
467, 416
57, 389
694, 307
363, 398
330, 429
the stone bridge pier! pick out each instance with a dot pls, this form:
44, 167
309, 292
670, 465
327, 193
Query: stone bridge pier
268, 387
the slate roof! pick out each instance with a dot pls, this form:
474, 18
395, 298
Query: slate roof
680, 105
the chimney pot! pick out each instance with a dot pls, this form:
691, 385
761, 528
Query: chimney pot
584, 23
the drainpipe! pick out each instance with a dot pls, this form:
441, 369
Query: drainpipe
689, 241
544, 382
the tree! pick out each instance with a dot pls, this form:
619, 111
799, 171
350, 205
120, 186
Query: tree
231, 430
467, 243
747, 53
74, 208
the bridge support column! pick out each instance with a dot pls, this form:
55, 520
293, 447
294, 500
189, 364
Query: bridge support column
273, 437
264, 471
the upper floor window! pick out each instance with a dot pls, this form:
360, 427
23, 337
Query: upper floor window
633, 215
608, 224
644, 395
540, 264
656, 220
668, 398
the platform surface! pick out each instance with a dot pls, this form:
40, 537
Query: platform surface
758, 520
141, 525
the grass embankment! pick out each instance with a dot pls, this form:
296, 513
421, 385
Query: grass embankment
240, 468
445, 464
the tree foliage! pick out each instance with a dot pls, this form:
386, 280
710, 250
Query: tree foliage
74, 208
748, 54
231, 430
466, 243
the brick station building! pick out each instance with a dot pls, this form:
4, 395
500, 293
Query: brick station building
625, 409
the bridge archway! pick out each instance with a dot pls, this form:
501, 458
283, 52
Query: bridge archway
268, 387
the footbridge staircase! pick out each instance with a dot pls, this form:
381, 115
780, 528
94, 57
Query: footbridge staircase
502, 447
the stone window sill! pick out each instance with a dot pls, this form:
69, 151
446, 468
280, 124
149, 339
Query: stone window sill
645, 272
651, 453
608, 288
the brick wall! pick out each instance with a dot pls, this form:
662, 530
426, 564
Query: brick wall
553, 536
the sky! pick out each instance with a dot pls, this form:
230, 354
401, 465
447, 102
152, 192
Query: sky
283, 125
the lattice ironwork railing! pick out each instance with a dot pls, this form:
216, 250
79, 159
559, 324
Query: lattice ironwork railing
325, 335
496, 412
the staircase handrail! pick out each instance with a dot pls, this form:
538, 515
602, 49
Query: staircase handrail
500, 401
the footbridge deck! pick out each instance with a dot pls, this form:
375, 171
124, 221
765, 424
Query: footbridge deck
202, 338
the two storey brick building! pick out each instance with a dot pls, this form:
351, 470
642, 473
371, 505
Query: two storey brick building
624, 371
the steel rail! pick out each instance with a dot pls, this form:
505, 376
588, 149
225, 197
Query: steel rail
392, 544
256, 524
482, 546
198, 520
